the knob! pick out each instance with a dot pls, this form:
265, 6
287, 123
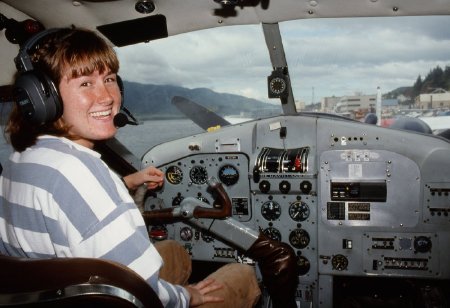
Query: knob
422, 244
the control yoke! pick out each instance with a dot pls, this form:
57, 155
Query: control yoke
276, 260
194, 208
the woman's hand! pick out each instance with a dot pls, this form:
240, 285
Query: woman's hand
199, 292
150, 176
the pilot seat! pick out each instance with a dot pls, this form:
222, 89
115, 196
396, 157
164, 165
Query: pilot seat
72, 282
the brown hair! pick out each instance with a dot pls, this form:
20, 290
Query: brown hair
84, 52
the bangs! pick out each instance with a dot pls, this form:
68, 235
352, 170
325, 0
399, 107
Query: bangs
84, 53
83, 65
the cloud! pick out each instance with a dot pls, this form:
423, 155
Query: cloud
325, 56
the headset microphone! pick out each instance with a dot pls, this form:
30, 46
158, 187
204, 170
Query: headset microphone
121, 119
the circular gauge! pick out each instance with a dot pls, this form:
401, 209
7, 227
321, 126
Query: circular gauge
299, 211
339, 262
186, 234
174, 175
277, 85
299, 238
271, 210
273, 233
303, 265
198, 175
228, 174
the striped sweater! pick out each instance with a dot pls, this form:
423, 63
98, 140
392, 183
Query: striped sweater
59, 199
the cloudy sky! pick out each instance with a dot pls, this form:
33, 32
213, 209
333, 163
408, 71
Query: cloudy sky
325, 57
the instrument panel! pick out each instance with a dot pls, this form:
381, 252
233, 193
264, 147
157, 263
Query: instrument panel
354, 201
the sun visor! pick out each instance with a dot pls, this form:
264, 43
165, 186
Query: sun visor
135, 31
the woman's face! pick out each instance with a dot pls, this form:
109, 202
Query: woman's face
90, 104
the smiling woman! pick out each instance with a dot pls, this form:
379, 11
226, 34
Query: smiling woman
78, 206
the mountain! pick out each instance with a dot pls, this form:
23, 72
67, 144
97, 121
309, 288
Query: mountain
147, 100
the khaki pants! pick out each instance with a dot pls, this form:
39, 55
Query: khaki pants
240, 289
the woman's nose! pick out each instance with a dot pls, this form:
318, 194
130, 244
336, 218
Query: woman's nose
104, 95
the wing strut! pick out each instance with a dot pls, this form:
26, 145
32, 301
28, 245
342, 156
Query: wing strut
280, 76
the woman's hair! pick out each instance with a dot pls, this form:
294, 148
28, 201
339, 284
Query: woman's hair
84, 52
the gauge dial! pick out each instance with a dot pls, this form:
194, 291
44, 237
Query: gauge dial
339, 262
174, 175
186, 234
277, 85
303, 265
299, 238
228, 174
271, 210
273, 233
198, 175
299, 211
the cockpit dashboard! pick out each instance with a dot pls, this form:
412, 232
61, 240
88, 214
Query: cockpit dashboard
354, 201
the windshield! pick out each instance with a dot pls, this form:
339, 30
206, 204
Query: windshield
340, 66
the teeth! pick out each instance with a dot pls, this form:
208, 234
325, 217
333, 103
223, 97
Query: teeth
101, 113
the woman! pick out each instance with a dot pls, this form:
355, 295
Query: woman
59, 199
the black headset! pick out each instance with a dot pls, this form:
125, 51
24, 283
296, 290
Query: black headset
35, 94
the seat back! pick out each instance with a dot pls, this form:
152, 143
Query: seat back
72, 282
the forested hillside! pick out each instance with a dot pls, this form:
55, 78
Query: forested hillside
437, 78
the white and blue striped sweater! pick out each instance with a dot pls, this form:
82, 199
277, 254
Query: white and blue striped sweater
59, 199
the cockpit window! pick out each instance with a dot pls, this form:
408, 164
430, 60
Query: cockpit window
339, 66
345, 65
220, 69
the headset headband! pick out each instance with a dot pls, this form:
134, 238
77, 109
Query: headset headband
23, 61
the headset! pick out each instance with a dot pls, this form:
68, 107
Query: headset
35, 94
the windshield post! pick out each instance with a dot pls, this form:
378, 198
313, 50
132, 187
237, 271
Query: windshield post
274, 43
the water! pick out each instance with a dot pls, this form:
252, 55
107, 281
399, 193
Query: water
138, 139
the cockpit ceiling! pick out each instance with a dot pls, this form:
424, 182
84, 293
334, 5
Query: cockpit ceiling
190, 15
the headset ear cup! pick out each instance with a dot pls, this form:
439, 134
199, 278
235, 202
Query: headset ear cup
37, 97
